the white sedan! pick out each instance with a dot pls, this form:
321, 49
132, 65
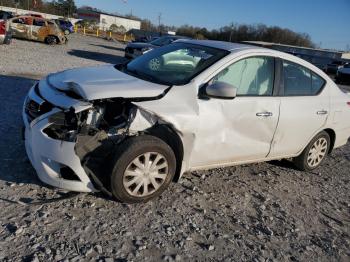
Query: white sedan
129, 130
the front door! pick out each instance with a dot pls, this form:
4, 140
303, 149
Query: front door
242, 129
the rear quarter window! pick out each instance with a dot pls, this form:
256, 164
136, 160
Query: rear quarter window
300, 81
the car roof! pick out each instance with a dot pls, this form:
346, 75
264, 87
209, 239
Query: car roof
219, 44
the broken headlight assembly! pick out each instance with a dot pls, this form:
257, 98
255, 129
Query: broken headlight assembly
110, 116
63, 126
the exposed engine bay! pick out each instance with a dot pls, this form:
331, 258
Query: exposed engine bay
99, 130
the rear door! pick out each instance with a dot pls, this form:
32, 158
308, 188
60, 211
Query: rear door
305, 106
241, 129
20, 27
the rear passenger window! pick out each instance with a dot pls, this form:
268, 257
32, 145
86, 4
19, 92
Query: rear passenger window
300, 81
317, 84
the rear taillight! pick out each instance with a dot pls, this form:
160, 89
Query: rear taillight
348, 103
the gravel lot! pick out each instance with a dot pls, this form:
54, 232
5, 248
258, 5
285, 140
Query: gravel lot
260, 212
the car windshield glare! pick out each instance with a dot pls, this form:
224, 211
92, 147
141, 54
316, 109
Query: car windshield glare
161, 41
174, 64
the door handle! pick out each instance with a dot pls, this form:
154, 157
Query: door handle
322, 112
264, 114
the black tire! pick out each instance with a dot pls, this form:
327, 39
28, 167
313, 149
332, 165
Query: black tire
127, 153
301, 162
51, 40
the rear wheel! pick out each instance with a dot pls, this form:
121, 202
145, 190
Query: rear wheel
314, 154
143, 168
51, 40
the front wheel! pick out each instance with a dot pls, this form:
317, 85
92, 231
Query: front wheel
143, 168
314, 154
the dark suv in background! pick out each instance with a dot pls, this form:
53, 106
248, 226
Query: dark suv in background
333, 67
136, 49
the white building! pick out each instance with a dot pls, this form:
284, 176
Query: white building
105, 20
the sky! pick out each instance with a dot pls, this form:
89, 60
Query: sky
326, 21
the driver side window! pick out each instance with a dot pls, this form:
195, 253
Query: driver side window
253, 76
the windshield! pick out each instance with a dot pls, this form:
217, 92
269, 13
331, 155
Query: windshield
174, 64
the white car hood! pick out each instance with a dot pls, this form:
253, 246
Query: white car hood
101, 82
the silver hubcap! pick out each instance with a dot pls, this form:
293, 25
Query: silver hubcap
145, 174
317, 152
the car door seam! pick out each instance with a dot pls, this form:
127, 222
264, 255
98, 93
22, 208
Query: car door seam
274, 133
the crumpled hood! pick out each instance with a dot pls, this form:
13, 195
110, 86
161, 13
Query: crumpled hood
102, 82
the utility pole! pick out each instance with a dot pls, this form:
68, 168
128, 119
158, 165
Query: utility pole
159, 20
231, 32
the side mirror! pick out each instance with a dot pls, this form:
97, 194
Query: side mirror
221, 90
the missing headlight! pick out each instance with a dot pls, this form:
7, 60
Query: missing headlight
64, 126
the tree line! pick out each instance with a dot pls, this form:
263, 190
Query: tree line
237, 33
56, 7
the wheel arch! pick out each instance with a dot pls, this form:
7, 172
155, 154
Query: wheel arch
56, 37
170, 137
332, 136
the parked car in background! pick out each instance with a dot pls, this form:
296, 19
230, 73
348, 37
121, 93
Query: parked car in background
129, 129
142, 39
5, 32
5, 15
343, 74
333, 67
65, 25
37, 29
135, 49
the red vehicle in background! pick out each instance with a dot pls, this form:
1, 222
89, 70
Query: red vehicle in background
5, 36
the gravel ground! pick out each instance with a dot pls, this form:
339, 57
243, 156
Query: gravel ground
260, 212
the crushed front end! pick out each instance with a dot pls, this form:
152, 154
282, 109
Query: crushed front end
70, 141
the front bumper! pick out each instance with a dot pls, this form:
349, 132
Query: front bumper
62, 39
49, 156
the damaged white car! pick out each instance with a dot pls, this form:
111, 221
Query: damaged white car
129, 130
